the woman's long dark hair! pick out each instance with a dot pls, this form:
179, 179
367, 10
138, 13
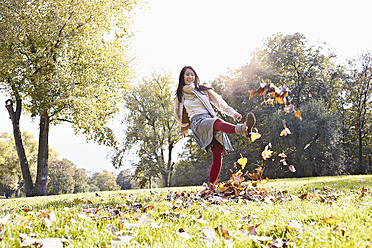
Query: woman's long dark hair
181, 83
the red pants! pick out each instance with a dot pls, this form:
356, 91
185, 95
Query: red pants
217, 150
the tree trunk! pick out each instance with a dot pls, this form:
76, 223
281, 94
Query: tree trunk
170, 164
360, 154
42, 158
15, 117
164, 176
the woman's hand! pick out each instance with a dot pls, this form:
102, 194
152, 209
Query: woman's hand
238, 117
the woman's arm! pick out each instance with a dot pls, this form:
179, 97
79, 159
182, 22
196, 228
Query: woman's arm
222, 106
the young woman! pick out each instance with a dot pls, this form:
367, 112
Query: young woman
193, 109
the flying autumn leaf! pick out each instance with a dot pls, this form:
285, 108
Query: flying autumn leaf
292, 168
282, 155
258, 175
253, 92
267, 153
284, 162
307, 145
286, 130
289, 108
268, 102
298, 114
242, 161
255, 136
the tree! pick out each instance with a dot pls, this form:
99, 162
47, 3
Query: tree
124, 179
10, 173
81, 180
313, 146
63, 61
151, 127
61, 177
358, 107
105, 181
306, 70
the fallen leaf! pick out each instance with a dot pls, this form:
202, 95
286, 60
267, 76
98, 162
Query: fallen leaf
294, 225
222, 232
278, 243
181, 232
363, 194
4, 219
252, 230
331, 220
285, 132
46, 242
264, 180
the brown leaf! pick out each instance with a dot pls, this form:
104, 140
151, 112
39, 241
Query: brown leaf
363, 194
222, 232
252, 230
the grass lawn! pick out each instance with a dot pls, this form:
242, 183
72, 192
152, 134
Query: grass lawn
305, 212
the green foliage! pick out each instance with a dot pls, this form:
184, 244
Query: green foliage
151, 127
357, 111
193, 167
65, 61
67, 58
11, 177
105, 181
306, 70
81, 180
313, 145
61, 177
124, 179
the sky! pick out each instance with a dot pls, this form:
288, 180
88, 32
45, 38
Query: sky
214, 36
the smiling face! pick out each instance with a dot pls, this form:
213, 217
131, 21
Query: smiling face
189, 76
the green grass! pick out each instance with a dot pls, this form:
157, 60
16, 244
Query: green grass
147, 219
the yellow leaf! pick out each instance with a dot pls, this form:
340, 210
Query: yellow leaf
28, 217
242, 161
255, 136
222, 188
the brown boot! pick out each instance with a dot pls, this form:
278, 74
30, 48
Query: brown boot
245, 129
